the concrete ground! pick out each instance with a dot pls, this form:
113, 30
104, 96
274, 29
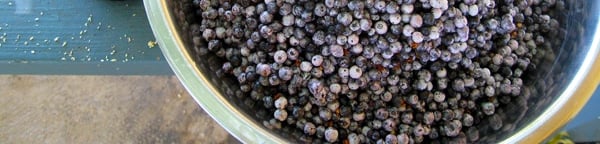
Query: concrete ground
102, 109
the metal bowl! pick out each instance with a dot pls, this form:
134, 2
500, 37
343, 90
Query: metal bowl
563, 83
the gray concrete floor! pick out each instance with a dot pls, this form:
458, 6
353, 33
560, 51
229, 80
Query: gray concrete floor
102, 109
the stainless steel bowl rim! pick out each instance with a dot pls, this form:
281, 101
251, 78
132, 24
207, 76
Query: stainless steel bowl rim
247, 131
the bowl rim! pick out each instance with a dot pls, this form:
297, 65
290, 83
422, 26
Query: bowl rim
197, 84
570, 101
573, 98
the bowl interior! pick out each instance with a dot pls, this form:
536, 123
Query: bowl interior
555, 67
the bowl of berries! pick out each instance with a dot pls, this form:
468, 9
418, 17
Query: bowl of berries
383, 71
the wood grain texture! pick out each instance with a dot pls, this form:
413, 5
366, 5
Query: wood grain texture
75, 32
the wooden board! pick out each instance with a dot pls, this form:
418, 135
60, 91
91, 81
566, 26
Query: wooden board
77, 37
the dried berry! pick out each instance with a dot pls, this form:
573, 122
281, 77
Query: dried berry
373, 71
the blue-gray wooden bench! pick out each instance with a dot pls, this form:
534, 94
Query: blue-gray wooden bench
86, 37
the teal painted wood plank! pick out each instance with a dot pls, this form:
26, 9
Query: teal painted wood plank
86, 68
71, 33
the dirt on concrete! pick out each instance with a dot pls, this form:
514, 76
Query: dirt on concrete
102, 109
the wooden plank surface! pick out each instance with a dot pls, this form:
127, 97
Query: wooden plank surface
77, 37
